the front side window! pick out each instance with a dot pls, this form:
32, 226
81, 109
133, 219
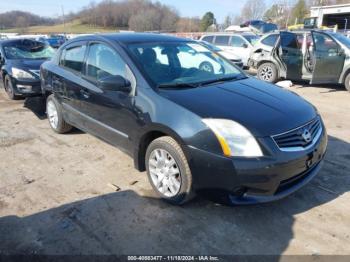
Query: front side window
73, 58
237, 41
103, 61
28, 49
324, 43
342, 39
222, 40
252, 39
174, 63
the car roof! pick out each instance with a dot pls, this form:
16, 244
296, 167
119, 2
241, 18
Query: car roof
10, 41
128, 38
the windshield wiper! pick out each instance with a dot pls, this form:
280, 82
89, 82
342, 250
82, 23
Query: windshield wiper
223, 79
178, 85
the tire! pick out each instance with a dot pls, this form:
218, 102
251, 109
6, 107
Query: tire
159, 156
55, 116
206, 66
347, 82
268, 72
10, 91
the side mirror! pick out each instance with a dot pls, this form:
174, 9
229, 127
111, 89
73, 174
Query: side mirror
245, 45
115, 83
341, 51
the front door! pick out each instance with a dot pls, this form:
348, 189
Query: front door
240, 47
328, 59
291, 55
110, 114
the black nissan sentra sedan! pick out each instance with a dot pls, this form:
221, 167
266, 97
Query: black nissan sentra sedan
20, 61
191, 129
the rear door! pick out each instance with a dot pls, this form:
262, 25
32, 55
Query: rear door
67, 81
328, 58
290, 53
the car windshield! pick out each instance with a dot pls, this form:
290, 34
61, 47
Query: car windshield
253, 39
342, 39
28, 49
182, 64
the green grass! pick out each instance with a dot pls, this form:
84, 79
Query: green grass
74, 27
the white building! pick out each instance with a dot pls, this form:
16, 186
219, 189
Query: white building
332, 15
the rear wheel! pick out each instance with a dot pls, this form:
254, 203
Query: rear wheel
168, 170
55, 116
9, 89
268, 72
347, 82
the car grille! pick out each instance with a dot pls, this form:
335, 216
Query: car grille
301, 137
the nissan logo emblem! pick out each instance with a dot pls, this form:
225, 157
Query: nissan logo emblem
306, 136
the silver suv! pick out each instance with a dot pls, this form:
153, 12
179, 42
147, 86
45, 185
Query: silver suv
316, 56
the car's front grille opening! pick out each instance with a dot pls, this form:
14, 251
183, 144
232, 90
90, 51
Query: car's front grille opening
300, 137
290, 182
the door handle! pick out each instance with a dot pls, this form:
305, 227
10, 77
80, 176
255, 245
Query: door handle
85, 93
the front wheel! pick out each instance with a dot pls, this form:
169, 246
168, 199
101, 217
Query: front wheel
10, 91
268, 72
347, 82
55, 116
168, 170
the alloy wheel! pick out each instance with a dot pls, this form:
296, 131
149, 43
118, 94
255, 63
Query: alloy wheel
266, 73
164, 172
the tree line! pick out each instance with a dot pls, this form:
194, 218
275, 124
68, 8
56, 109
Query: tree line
22, 19
147, 15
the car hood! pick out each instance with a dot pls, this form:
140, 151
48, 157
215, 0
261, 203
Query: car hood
263, 108
229, 55
28, 64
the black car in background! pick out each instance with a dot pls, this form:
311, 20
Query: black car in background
191, 129
20, 61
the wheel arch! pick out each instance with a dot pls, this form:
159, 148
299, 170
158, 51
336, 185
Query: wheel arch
152, 133
344, 75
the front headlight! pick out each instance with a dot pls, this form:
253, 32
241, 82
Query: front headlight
19, 73
235, 139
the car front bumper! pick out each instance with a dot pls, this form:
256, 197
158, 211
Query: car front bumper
27, 87
257, 180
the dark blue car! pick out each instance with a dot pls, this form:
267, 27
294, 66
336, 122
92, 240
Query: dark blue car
191, 129
20, 61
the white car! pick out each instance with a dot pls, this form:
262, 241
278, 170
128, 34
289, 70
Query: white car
238, 44
194, 56
228, 55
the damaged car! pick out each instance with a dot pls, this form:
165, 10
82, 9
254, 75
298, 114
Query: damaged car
316, 56
20, 61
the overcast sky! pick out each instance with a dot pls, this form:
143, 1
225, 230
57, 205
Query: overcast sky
186, 7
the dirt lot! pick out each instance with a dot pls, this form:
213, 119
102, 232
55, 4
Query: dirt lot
59, 195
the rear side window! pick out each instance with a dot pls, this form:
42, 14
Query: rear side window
103, 61
73, 58
208, 39
270, 40
222, 40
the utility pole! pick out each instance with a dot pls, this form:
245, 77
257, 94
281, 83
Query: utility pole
64, 22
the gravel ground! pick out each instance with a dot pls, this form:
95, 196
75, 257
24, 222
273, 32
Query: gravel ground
74, 194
